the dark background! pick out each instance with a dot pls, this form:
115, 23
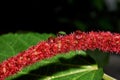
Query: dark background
56, 15
52, 16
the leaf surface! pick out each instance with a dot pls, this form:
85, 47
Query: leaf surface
74, 65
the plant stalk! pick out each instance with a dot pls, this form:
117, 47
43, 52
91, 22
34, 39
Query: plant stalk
107, 77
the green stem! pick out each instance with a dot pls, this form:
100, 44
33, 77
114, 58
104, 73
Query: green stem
107, 77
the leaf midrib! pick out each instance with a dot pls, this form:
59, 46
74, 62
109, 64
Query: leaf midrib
71, 73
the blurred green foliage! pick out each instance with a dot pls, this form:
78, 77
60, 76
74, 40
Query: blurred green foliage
105, 24
99, 4
90, 15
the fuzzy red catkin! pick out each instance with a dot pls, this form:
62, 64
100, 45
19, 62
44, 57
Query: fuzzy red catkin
104, 41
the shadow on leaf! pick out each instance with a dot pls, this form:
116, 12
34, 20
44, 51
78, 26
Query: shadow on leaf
53, 68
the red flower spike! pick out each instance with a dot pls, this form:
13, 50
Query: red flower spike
104, 41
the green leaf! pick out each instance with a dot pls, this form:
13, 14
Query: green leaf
99, 4
74, 65
11, 44
100, 57
61, 67
61, 33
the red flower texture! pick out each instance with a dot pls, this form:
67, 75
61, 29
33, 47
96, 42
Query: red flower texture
104, 41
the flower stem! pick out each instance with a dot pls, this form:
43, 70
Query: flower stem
107, 77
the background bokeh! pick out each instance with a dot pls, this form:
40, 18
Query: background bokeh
52, 16
66, 15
